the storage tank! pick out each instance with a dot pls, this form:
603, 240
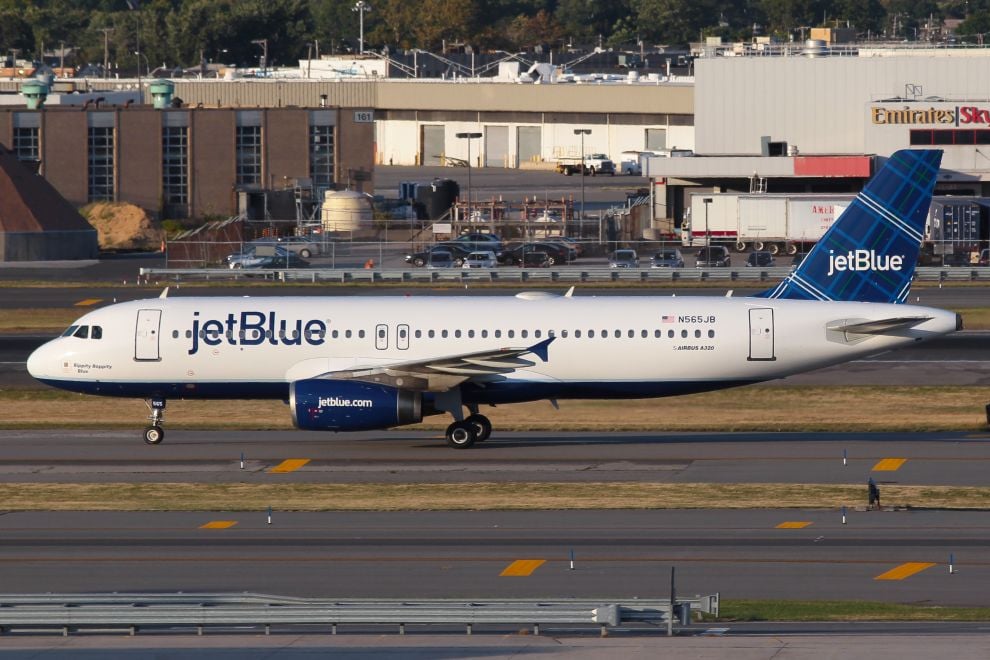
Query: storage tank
437, 197
345, 210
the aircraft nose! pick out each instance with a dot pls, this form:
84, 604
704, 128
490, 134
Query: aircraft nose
39, 362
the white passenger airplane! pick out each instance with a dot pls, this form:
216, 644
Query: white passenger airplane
345, 364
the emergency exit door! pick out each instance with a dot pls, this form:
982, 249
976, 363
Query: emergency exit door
761, 334
146, 334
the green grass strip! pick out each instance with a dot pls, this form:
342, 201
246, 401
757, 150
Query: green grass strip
841, 610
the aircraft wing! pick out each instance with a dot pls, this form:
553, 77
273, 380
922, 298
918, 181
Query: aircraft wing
881, 326
442, 373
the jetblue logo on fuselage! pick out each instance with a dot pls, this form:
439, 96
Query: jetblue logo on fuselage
862, 260
254, 329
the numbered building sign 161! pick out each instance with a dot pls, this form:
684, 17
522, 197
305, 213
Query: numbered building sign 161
364, 116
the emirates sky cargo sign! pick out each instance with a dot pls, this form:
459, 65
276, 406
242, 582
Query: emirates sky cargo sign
945, 116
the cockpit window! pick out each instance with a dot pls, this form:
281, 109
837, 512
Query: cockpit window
70, 331
82, 332
97, 332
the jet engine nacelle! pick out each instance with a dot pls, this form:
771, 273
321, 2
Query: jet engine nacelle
349, 405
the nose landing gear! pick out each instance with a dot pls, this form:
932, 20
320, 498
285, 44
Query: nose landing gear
154, 434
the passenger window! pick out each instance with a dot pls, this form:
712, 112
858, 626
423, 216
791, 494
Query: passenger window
591, 334
432, 334
537, 334
175, 334
618, 334
484, 334
334, 334
656, 333
711, 334
684, 333
697, 334
419, 334
188, 334
524, 334
470, 334
670, 333
498, 334
457, 334
98, 332
577, 334
443, 334
360, 334
347, 334
631, 334
82, 332
381, 333
563, 333
512, 333
402, 333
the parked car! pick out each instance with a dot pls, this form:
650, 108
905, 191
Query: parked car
477, 241
984, 257
440, 259
714, 256
798, 258
261, 256
572, 243
422, 258
480, 259
535, 259
623, 259
556, 253
760, 260
667, 259
303, 246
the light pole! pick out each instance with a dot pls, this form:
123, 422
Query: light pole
707, 201
582, 132
469, 137
360, 7
264, 55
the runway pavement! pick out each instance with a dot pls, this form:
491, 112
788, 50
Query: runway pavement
948, 458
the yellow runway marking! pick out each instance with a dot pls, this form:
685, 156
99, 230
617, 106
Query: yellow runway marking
88, 302
219, 524
793, 525
904, 570
889, 464
522, 567
289, 465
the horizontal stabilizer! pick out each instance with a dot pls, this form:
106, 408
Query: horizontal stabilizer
882, 326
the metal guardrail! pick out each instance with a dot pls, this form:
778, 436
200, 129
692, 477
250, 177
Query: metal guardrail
67, 613
509, 274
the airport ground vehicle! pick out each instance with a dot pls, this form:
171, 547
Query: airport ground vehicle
480, 259
713, 256
623, 259
593, 164
422, 258
760, 259
671, 258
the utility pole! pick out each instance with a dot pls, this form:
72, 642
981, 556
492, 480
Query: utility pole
106, 50
264, 55
582, 132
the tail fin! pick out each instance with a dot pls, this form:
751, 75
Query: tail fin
870, 252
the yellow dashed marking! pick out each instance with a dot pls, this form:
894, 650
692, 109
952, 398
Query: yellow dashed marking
795, 524
522, 567
289, 465
889, 464
88, 302
219, 524
904, 570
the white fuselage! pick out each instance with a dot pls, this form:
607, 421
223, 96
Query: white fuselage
610, 346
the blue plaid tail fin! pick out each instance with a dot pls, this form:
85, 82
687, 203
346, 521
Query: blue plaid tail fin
870, 252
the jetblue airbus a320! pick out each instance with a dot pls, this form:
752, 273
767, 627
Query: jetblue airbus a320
347, 364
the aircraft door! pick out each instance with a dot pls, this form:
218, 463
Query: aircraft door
761, 334
146, 334
402, 337
381, 337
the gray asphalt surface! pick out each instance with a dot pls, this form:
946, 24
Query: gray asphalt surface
626, 554
949, 458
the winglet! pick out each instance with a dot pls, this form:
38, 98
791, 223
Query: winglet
570, 293
164, 293
540, 350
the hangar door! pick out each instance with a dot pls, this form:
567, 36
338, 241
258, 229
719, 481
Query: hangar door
528, 144
496, 146
433, 145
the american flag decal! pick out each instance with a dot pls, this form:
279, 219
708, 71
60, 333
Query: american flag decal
667, 319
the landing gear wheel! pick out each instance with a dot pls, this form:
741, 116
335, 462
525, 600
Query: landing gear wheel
153, 435
482, 426
461, 435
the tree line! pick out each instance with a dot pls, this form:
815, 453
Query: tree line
189, 32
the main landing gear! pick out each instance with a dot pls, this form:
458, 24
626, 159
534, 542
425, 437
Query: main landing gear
154, 434
474, 428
